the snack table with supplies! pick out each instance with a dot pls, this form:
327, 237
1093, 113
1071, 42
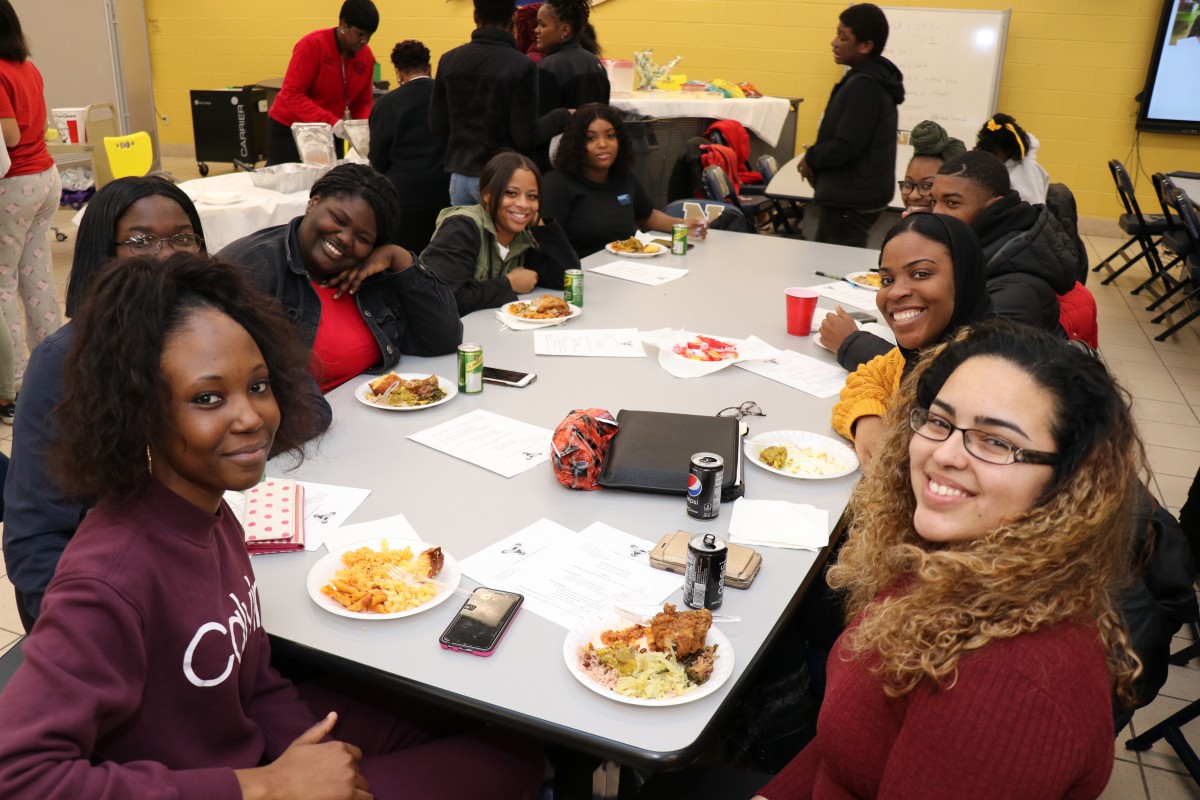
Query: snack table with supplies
734, 287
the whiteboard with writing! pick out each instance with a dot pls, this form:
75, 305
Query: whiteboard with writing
951, 60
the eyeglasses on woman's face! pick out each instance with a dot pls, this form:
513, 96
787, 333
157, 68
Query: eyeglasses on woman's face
923, 189
746, 409
150, 245
982, 445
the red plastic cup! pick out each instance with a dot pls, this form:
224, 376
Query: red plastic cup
801, 304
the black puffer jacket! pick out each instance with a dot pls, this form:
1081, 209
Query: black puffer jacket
854, 159
1030, 260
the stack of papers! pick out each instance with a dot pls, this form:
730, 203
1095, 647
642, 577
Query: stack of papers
639, 272
567, 576
501, 444
611, 343
800, 372
778, 523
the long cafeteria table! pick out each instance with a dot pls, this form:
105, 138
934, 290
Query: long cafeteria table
734, 287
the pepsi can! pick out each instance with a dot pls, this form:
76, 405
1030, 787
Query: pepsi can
704, 485
704, 578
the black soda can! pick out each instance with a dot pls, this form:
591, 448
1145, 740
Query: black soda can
704, 485
704, 578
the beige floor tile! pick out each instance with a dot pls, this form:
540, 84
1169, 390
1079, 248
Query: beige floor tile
1174, 489
9, 619
1167, 434
1160, 411
1183, 683
1186, 377
1166, 391
1163, 785
1180, 358
1138, 370
7, 640
1118, 351
1126, 782
1173, 461
1191, 392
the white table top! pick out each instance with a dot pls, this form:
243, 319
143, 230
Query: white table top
734, 287
762, 115
1190, 187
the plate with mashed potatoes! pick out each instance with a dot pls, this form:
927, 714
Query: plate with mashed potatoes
406, 391
620, 661
801, 454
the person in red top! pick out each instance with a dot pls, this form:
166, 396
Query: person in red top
990, 537
29, 196
329, 79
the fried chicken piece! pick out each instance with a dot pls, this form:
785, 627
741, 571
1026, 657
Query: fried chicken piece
680, 633
429, 563
425, 388
383, 383
626, 636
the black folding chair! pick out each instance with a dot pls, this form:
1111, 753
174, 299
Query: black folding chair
782, 211
1190, 278
1142, 229
1174, 239
717, 187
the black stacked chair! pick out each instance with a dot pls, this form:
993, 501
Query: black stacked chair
1141, 228
1189, 280
1174, 239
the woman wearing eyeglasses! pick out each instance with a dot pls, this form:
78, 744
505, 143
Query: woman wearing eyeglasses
145, 217
981, 573
931, 147
931, 284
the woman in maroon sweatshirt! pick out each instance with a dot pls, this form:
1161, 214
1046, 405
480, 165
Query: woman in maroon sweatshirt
148, 673
989, 539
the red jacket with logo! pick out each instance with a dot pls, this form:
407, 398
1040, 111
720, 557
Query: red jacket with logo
313, 90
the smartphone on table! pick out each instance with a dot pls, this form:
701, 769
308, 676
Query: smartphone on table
508, 377
482, 621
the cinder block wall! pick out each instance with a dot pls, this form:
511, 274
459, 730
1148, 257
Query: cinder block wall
1071, 68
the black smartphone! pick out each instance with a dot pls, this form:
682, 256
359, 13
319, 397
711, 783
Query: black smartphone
862, 316
481, 621
508, 377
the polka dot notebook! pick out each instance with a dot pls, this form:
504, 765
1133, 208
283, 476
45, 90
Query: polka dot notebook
273, 517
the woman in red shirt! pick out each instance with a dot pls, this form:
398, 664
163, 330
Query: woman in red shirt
29, 196
989, 540
329, 79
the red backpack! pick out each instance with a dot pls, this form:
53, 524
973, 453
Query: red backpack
579, 445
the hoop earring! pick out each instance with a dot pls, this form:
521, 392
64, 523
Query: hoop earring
149, 461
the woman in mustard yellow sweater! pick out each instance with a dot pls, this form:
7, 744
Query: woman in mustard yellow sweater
931, 283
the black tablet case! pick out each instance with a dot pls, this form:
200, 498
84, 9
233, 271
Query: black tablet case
653, 451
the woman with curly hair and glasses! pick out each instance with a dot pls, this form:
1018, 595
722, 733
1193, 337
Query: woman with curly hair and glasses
593, 192
149, 671
985, 556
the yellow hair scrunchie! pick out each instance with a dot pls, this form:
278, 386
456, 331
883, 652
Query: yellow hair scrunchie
993, 126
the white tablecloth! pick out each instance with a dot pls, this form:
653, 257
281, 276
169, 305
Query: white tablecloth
239, 209
762, 115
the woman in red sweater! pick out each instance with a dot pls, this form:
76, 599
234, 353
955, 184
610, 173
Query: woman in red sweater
981, 573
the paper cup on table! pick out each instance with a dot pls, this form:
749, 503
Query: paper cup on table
801, 303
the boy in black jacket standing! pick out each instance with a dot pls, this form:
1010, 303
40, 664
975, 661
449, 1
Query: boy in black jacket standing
485, 99
852, 167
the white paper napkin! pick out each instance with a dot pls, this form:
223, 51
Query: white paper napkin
778, 523
749, 349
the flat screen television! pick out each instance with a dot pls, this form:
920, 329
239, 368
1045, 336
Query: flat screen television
1171, 99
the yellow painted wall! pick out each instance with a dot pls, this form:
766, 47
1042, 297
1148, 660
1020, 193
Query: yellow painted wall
1071, 68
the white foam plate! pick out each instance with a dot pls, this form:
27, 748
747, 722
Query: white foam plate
323, 571
589, 630
843, 459
363, 392
860, 279
508, 315
658, 252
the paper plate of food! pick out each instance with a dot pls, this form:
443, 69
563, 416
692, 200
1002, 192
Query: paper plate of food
675, 658
867, 280
801, 454
355, 581
544, 310
634, 247
705, 348
406, 391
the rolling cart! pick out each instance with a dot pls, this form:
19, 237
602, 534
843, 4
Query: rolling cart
229, 125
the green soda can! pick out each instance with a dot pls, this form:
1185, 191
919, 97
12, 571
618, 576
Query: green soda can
470, 368
573, 287
679, 239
